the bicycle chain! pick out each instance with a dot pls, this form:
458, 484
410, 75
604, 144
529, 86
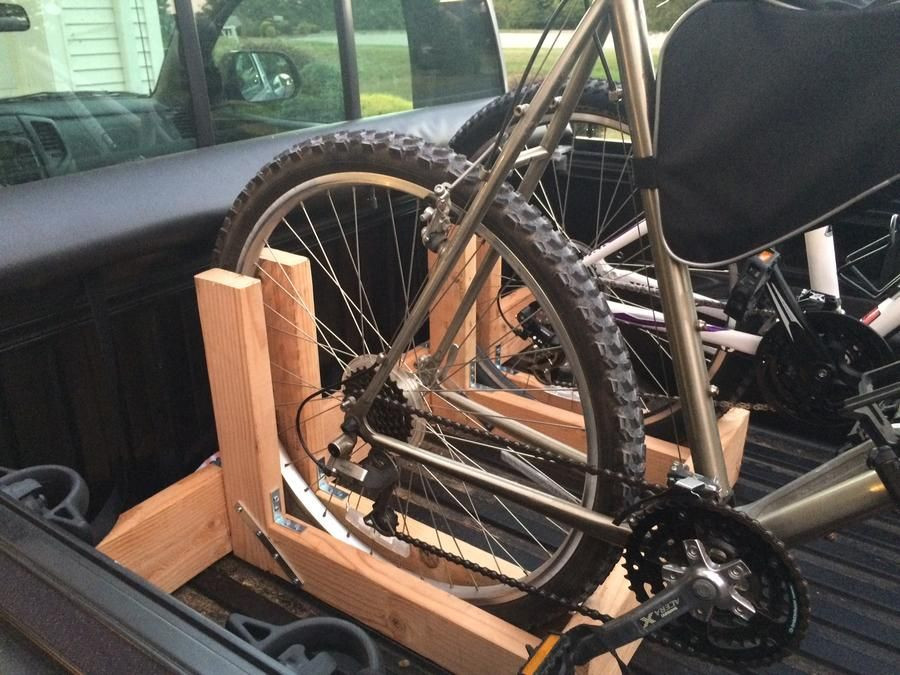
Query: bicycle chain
566, 603
654, 490
494, 575
724, 406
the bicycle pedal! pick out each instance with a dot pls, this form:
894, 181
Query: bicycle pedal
550, 657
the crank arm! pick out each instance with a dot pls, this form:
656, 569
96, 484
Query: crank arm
696, 589
791, 314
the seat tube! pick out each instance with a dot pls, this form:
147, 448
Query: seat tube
630, 36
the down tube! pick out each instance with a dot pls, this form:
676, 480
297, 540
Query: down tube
630, 36
839, 492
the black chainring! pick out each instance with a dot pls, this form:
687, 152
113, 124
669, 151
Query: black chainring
775, 587
807, 388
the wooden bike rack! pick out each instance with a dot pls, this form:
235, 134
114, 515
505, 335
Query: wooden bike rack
240, 507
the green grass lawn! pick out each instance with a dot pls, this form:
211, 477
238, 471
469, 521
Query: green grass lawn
517, 59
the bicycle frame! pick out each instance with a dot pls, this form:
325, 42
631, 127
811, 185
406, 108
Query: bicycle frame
823, 278
839, 491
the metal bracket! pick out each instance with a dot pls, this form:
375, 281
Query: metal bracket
330, 488
251, 522
682, 478
278, 514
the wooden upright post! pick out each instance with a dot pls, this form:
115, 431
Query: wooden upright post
234, 337
442, 313
451, 632
290, 311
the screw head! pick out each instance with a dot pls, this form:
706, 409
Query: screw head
704, 589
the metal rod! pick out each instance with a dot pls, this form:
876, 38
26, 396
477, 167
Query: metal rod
674, 280
516, 429
192, 52
557, 126
846, 465
560, 120
343, 18
589, 522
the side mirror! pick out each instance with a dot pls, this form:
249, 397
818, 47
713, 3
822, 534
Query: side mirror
258, 77
13, 18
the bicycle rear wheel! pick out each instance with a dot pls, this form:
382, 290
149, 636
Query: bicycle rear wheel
351, 204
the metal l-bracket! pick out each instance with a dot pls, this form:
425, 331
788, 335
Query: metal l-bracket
252, 523
278, 514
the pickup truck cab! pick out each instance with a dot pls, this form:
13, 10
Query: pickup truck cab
94, 84
127, 128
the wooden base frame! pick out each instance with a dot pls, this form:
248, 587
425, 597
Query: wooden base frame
175, 534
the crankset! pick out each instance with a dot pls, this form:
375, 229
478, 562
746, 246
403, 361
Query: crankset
712, 582
813, 387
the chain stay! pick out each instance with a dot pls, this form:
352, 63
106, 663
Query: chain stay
519, 446
494, 575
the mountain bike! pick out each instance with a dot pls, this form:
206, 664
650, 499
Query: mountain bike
587, 191
519, 487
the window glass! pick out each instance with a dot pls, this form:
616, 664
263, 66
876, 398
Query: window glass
272, 66
89, 84
453, 51
382, 55
415, 53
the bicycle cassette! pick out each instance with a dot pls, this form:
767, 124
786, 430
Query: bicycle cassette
774, 586
401, 387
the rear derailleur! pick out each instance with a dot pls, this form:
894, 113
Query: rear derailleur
375, 477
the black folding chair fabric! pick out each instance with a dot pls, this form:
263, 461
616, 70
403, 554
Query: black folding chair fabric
770, 119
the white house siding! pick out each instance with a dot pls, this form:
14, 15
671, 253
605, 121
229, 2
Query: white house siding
150, 50
83, 44
93, 44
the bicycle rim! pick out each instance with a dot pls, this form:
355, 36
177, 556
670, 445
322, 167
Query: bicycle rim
334, 221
